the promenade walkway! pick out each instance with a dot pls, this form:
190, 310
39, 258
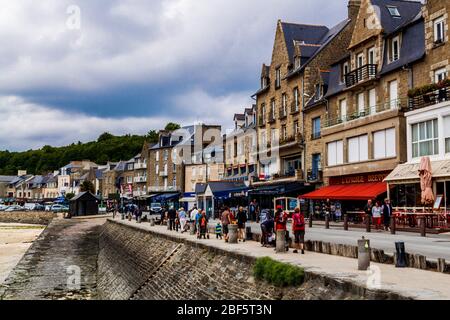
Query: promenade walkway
411, 283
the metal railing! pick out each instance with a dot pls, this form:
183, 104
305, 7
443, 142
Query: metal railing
429, 99
316, 135
397, 104
364, 73
140, 179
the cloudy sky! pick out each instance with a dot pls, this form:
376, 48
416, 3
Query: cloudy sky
70, 70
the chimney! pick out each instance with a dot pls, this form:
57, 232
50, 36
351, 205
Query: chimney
353, 9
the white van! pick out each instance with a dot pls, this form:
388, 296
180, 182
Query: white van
30, 206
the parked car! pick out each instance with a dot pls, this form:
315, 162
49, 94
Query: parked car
14, 208
33, 206
155, 208
59, 208
3, 207
102, 209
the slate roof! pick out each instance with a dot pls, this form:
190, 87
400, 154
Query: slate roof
7, 179
311, 34
120, 166
239, 117
82, 194
412, 46
408, 10
309, 53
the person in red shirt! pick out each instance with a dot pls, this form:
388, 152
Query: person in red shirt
298, 228
280, 219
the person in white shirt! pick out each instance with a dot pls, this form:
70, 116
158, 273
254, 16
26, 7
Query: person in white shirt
376, 214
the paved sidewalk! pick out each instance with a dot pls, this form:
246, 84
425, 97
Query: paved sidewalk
413, 283
433, 246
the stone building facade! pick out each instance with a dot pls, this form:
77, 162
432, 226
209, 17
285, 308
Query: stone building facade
367, 94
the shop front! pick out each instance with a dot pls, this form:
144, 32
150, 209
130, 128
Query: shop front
405, 188
347, 195
213, 196
265, 194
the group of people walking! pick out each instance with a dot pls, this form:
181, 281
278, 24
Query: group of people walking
379, 215
271, 224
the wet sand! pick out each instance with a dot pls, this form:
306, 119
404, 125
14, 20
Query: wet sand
15, 239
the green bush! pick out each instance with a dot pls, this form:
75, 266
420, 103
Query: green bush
277, 273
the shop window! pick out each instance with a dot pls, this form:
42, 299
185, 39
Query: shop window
425, 141
335, 153
384, 144
358, 149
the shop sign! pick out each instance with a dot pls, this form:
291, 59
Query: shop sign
356, 179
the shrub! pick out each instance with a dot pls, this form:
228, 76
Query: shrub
277, 273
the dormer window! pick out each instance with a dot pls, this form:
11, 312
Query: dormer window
394, 49
278, 78
345, 68
394, 11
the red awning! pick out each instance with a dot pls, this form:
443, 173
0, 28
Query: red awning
363, 191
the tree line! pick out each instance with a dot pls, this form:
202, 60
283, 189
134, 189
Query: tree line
106, 148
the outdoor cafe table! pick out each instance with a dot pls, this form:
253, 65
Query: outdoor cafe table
432, 218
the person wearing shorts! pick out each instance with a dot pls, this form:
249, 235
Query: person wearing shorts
298, 228
225, 222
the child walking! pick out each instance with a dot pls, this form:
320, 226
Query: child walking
218, 231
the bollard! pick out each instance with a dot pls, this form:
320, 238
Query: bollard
281, 241
423, 227
400, 255
363, 254
233, 233
393, 225
139, 219
311, 220
345, 222
368, 223
123, 216
152, 222
248, 233
327, 221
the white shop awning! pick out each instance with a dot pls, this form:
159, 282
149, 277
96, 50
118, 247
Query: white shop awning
409, 172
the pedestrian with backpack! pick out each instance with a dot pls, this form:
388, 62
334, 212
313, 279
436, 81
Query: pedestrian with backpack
298, 228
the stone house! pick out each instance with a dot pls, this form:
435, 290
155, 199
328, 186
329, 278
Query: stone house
299, 53
428, 115
241, 148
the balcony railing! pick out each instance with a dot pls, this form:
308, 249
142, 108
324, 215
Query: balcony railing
138, 166
364, 73
316, 135
282, 114
315, 175
163, 189
140, 179
397, 104
429, 99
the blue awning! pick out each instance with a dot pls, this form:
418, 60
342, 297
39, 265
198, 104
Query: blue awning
166, 197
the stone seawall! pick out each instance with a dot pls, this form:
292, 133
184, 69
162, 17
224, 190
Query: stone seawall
141, 264
31, 217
